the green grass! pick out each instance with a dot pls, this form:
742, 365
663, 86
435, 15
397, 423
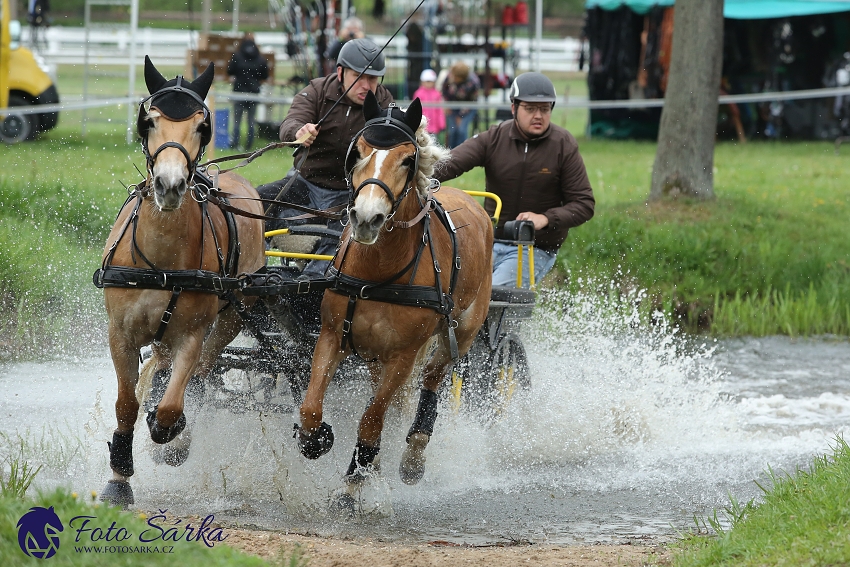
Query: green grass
68, 506
803, 520
768, 256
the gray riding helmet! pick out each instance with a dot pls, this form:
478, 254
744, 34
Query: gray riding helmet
533, 87
356, 54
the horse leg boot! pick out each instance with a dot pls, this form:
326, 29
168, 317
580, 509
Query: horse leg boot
412, 467
118, 491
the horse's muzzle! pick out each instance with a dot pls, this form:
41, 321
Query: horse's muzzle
168, 194
366, 231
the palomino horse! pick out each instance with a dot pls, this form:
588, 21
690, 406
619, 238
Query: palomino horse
170, 267
398, 283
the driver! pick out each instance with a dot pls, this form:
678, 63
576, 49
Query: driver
321, 184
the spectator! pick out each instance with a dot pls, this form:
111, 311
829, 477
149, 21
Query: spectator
352, 28
249, 69
535, 168
461, 86
426, 93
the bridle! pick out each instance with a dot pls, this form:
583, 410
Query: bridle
206, 133
351, 159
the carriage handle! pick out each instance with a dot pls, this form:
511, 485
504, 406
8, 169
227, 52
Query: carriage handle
493, 197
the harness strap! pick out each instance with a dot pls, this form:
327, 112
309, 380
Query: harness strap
166, 316
142, 278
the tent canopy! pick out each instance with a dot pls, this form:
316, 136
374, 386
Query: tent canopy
740, 9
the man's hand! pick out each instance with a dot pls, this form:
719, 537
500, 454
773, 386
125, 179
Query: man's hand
307, 129
540, 221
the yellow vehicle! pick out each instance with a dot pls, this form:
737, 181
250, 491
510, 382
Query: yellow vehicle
23, 82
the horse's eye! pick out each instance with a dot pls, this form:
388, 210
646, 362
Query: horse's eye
408, 161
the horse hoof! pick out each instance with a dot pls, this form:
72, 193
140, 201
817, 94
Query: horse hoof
161, 434
117, 493
412, 467
314, 445
343, 506
175, 456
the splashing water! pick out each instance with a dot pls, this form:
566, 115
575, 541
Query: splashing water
628, 430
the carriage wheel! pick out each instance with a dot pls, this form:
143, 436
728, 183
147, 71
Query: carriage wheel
508, 376
487, 381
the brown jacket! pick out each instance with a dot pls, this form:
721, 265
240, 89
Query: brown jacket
544, 176
324, 166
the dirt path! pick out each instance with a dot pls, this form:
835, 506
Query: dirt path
333, 552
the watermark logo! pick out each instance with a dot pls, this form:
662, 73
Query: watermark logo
38, 532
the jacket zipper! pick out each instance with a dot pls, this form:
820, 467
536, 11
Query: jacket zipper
518, 194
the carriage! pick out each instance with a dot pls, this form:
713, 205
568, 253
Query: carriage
268, 366
408, 290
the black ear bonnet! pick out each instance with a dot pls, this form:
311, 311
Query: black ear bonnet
177, 99
386, 128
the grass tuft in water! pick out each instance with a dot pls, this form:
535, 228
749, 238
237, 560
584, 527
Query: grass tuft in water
17, 481
804, 519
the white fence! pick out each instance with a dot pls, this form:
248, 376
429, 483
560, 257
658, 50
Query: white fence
111, 46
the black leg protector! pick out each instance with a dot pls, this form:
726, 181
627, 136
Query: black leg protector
426, 414
361, 459
160, 434
316, 444
121, 453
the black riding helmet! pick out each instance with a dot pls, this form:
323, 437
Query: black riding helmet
357, 54
533, 87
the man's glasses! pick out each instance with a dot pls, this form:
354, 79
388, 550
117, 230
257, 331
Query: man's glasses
533, 109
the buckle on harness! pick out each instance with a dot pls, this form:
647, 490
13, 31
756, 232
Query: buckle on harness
346, 327
362, 292
164, 280
306, 288
218, 284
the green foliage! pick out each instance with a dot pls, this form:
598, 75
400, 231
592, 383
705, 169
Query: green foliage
18, 480
803, 520
768, 255
68, 505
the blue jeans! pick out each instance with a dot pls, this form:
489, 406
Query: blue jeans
456, 134
505, 263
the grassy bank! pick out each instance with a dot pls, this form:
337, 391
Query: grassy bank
803, 520
128, 552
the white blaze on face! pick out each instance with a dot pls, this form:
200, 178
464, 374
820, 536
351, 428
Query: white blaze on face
374, 201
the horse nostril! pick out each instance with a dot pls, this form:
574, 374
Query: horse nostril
378, 221
352, 216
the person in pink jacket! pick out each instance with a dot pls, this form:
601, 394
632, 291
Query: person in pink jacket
426, 93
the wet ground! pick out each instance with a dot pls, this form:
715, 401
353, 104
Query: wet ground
626, 434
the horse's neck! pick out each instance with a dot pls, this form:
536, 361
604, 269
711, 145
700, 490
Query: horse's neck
170, 240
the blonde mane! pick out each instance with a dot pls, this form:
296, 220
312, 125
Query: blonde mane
430, 155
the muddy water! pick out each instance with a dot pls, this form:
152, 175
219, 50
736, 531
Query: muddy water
628, 432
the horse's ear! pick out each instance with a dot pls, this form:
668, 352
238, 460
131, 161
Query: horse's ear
202, 84
371, 108
413, 115
153, 78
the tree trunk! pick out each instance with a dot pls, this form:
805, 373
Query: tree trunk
685, 155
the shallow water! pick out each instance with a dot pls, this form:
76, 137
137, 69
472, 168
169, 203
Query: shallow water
627, 432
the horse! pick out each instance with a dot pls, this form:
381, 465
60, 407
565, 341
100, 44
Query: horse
399, 286
170, 268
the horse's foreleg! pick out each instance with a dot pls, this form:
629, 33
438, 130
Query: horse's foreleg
395, 373
167, 420
125, 359
315, 437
